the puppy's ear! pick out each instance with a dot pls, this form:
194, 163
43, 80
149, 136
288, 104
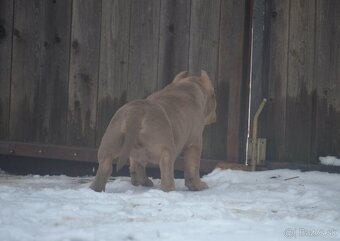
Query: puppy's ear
180, 76
205, 81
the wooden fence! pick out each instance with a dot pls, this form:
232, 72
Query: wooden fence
302, 66
67, 66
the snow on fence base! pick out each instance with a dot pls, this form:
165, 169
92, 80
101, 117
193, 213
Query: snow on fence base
329, 160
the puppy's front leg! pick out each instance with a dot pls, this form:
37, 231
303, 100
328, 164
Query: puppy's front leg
192, 158
138, 175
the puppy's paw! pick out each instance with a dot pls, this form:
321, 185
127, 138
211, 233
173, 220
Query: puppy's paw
196, 185
97, 188
145, 183
168, 187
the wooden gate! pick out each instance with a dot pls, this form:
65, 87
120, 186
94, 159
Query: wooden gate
67, 66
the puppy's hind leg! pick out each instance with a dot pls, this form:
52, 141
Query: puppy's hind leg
138, 175
109, 149
103, 174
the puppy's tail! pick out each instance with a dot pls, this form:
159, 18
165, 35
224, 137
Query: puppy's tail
131, 129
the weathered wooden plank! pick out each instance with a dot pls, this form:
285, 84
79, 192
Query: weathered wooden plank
114, 54
143, 52
299, 116
6, 28
230, 85
84, 69
204, 36
203, 52
173, 39
277, 79
40, 71
327, 75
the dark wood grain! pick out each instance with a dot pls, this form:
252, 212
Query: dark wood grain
6, 29
40, 71
84, 71
204, 37
327, 76
203, 51
143, 52
114, 58
277, 79
300, 85
173, 39
230, 85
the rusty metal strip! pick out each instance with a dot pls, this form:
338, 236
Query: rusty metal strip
82, 154
48, 151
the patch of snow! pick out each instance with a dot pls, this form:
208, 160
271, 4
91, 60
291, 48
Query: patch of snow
329, 160
237, 206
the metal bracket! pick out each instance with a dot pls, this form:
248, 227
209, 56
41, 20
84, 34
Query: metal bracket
258, 145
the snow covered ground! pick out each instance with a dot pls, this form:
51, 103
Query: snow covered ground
330, 161
268, 205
